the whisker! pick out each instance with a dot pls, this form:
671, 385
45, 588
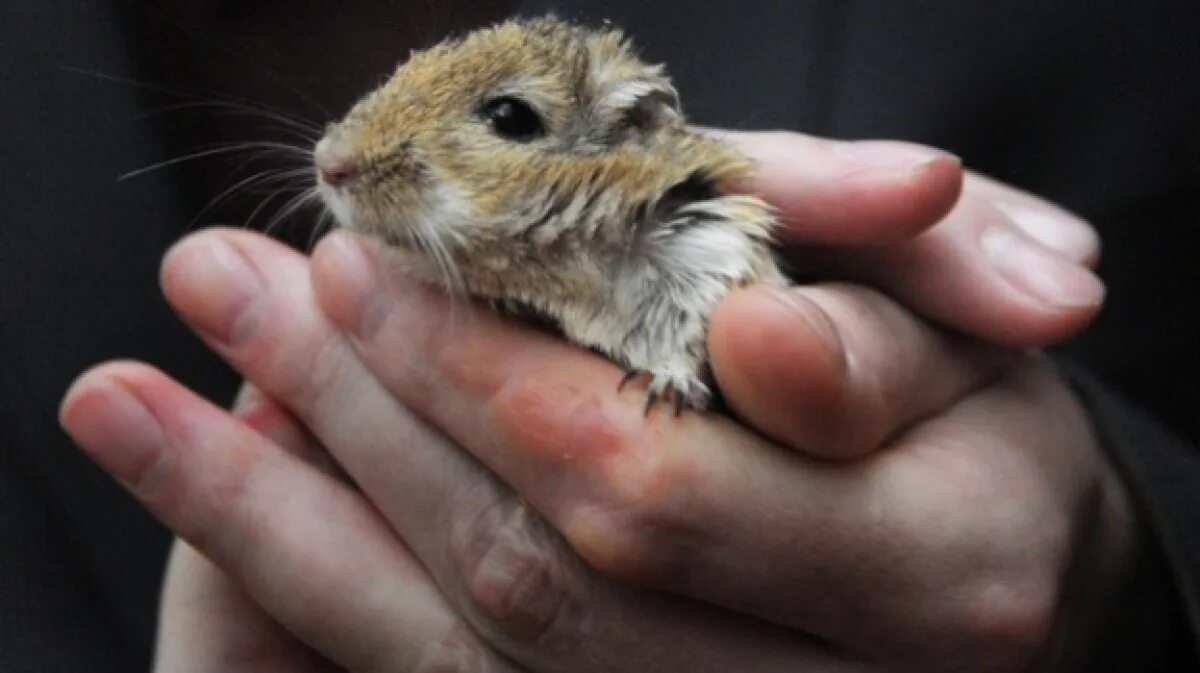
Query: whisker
296, 152
324, 223
260, 178
290, 208
456, 290
301, 133
183, 93
304, 130
241, 55
263, 204
296, 178
441, 256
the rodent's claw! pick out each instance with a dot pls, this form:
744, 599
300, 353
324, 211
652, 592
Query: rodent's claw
652, 394
686, 391
629, 376
651, 398
679, 404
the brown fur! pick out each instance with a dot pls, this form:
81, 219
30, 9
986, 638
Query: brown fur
612, 223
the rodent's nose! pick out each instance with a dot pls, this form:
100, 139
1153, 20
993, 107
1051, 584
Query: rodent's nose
335, 162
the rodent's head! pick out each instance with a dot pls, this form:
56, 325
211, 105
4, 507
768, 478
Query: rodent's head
469, 132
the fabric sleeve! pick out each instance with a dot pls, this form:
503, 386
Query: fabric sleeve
1156, 619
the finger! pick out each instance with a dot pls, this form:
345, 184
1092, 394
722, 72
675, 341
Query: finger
274, 422
1050, 225
307, 548
680, 504
802, 176
651, 500
510, 576
835, 371
978, 272
277, 424
207, 624
1020, 285
849, 193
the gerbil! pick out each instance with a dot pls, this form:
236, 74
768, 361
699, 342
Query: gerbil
542, 165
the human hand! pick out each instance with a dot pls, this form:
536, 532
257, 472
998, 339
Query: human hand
981, 528
480, 567
911, 185
313, 551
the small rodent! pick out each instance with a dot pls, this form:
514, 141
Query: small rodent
542, 165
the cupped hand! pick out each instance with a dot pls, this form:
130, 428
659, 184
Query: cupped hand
876, 198
450, 576
949, 547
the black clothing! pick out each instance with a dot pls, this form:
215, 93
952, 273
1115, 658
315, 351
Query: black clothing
80, 565
1094, 108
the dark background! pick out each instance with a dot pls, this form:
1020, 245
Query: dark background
1093, 105
80, 563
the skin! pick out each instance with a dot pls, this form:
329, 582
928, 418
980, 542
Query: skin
895, 497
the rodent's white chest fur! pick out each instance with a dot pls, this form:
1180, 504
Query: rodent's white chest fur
611, 221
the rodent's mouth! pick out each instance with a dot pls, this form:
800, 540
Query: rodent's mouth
336, 203
408, 220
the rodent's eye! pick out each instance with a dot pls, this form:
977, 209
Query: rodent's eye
512, 118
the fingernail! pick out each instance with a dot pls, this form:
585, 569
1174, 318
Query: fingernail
888, 157
118, 431
357, 268
216, 288
1039, 273
1070, 239
814, 317
947, 160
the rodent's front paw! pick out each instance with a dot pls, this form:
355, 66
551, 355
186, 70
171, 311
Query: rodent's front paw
682, 387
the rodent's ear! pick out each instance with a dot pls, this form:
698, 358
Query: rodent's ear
629, 94
646, 102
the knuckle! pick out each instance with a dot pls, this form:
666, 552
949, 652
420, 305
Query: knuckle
521, 586
887, 351
862, 305
793, 139
210, 489
638, 520
548, 417
1013, 606
871, 326
457, 652
801, 141
1011, 616
304, 387
650, 528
